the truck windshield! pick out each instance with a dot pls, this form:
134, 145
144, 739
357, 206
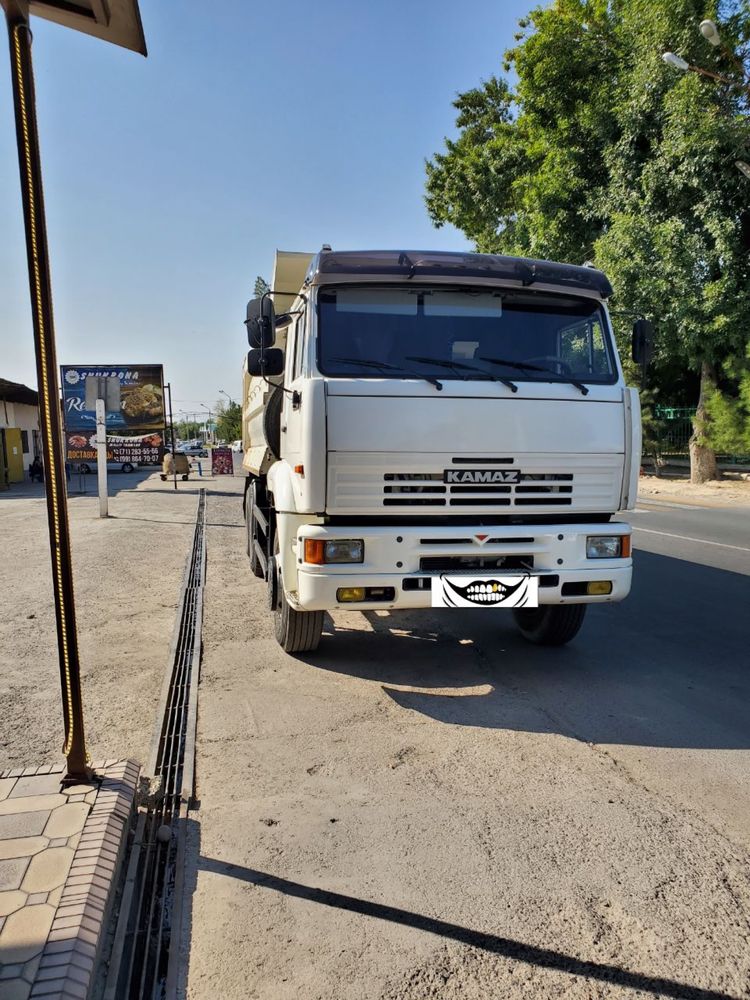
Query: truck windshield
462, 333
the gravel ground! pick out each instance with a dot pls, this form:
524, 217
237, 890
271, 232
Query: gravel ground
128, 571
404, 816
731, 491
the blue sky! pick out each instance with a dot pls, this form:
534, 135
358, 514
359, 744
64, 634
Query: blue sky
170, 181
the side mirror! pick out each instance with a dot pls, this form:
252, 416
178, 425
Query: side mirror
643, 342
260, 322
266, 362
283, 319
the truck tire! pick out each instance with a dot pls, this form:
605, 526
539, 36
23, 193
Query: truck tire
550, 625
255, 494
296, 631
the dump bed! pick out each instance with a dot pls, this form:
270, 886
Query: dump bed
261, 399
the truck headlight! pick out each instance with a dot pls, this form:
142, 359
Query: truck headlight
345, 550
608, 546
339, 550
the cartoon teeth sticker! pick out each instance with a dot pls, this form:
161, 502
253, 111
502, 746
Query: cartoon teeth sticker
487, 592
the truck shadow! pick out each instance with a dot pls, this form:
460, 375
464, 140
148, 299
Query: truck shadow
323, 900
666, 668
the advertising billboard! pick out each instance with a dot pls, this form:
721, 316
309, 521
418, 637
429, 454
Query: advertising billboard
222, 462
135, 429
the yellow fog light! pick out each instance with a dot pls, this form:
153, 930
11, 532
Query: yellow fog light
599, 587
344, 594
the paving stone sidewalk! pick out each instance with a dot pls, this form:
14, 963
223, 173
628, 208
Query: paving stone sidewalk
60, 854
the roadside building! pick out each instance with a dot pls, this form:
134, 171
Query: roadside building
20, 437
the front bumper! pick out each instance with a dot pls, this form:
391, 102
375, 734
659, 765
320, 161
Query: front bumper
396, 557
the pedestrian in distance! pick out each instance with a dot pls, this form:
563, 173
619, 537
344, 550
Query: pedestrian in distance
36, 470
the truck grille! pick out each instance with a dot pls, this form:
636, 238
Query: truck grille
416, 489
372, 482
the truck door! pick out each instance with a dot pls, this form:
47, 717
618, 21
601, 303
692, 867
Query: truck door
294, 399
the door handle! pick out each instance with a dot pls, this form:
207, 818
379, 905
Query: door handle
296, 400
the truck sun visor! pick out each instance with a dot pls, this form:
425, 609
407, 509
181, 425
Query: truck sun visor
465, 265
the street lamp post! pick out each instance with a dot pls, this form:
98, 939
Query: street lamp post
710, 32
231, 401
209, 432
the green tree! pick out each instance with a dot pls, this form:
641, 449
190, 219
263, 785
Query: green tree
228, 421
602, 152
187, 429
730, 413
261, 287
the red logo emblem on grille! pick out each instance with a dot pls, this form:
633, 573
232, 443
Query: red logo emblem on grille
481, 538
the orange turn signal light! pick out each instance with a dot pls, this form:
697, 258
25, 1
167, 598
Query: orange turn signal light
625, 547
299, 469
315, 550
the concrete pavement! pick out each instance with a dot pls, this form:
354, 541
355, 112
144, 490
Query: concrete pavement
127, 574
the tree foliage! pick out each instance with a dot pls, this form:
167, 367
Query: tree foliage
261, 287
730, 415
602, 152
228, 421
187, 430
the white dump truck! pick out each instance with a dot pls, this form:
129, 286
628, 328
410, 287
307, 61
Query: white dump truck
445, 430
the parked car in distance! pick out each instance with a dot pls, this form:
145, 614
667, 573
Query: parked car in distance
198, 450
236, 446
87, 467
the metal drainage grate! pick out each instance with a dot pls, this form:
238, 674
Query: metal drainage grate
140, 967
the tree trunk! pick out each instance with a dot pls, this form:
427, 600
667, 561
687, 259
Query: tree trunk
702, 456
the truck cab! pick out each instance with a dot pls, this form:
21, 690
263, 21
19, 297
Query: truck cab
429, 429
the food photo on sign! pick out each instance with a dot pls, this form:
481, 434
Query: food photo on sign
140, 449
141, 397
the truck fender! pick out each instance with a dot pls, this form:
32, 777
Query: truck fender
633, 443
281, 491
280, 486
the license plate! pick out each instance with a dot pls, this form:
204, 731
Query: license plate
485, 591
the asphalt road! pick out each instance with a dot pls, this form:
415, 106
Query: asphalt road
718, 537
430, 807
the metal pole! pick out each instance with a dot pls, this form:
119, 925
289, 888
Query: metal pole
101, 456
171, 427
29, 161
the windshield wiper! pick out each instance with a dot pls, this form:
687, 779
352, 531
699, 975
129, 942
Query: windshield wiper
457, 365
522, 366
385, 367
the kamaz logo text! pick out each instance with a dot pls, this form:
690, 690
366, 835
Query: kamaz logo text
488, 476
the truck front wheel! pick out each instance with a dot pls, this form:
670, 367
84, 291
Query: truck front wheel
255, 494
550, 625
296, 631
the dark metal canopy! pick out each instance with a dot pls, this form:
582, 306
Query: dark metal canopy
116, 21
434, 263
17, 392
